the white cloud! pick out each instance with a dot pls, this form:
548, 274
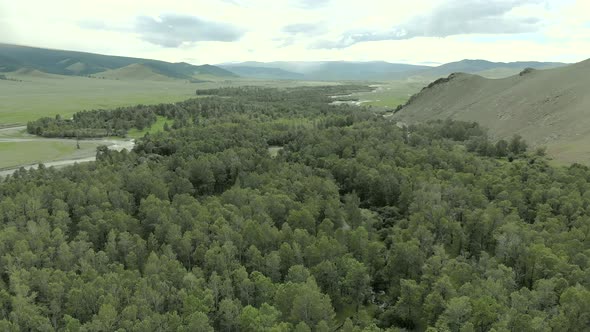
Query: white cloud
267, 30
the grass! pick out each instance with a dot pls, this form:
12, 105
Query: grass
14, 133
156, 127
38, 97
387, 101
569, 151
13, 154
392, 93
274, 150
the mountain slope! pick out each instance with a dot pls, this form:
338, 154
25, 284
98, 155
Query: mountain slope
134, 72
547, 107
14, 57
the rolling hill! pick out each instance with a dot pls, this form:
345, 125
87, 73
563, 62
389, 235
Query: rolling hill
14, 57
134, 72
547, 107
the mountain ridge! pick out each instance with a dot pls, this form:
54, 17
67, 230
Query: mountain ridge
74, 63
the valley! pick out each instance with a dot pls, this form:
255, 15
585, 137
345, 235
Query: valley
144, 195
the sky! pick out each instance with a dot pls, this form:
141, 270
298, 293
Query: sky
219, 31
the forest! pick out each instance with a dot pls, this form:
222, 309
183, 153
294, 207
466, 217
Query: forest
354, 225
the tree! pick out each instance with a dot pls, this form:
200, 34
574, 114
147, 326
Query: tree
302, 219
409, 306
263, 319
198, 322
517, 145
456, 315
310, 305
229, 313
356, 283
573, 315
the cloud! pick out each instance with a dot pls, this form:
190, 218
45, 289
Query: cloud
453, 17
307, 29
311, 4
173, 30
298, 31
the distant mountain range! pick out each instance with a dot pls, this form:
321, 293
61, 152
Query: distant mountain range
377, 70
14, 58
325, 70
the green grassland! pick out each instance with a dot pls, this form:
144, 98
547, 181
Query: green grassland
25, 153
392, 93
156, 127
36, 97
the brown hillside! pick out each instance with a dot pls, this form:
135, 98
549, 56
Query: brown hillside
547, 107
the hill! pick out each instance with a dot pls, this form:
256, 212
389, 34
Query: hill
134, 72
14, 57
547, 107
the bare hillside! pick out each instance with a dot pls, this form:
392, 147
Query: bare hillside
547, 107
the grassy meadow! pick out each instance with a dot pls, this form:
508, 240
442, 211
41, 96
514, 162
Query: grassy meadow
35, 97
156, 127
14, 154
390, 94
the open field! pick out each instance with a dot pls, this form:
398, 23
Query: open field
37, 97
156, 127
30, 152
390, 94
17, 148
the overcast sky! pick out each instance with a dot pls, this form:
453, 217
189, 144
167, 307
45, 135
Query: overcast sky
216, 31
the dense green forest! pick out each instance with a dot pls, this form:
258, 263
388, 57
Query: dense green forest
355, 225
